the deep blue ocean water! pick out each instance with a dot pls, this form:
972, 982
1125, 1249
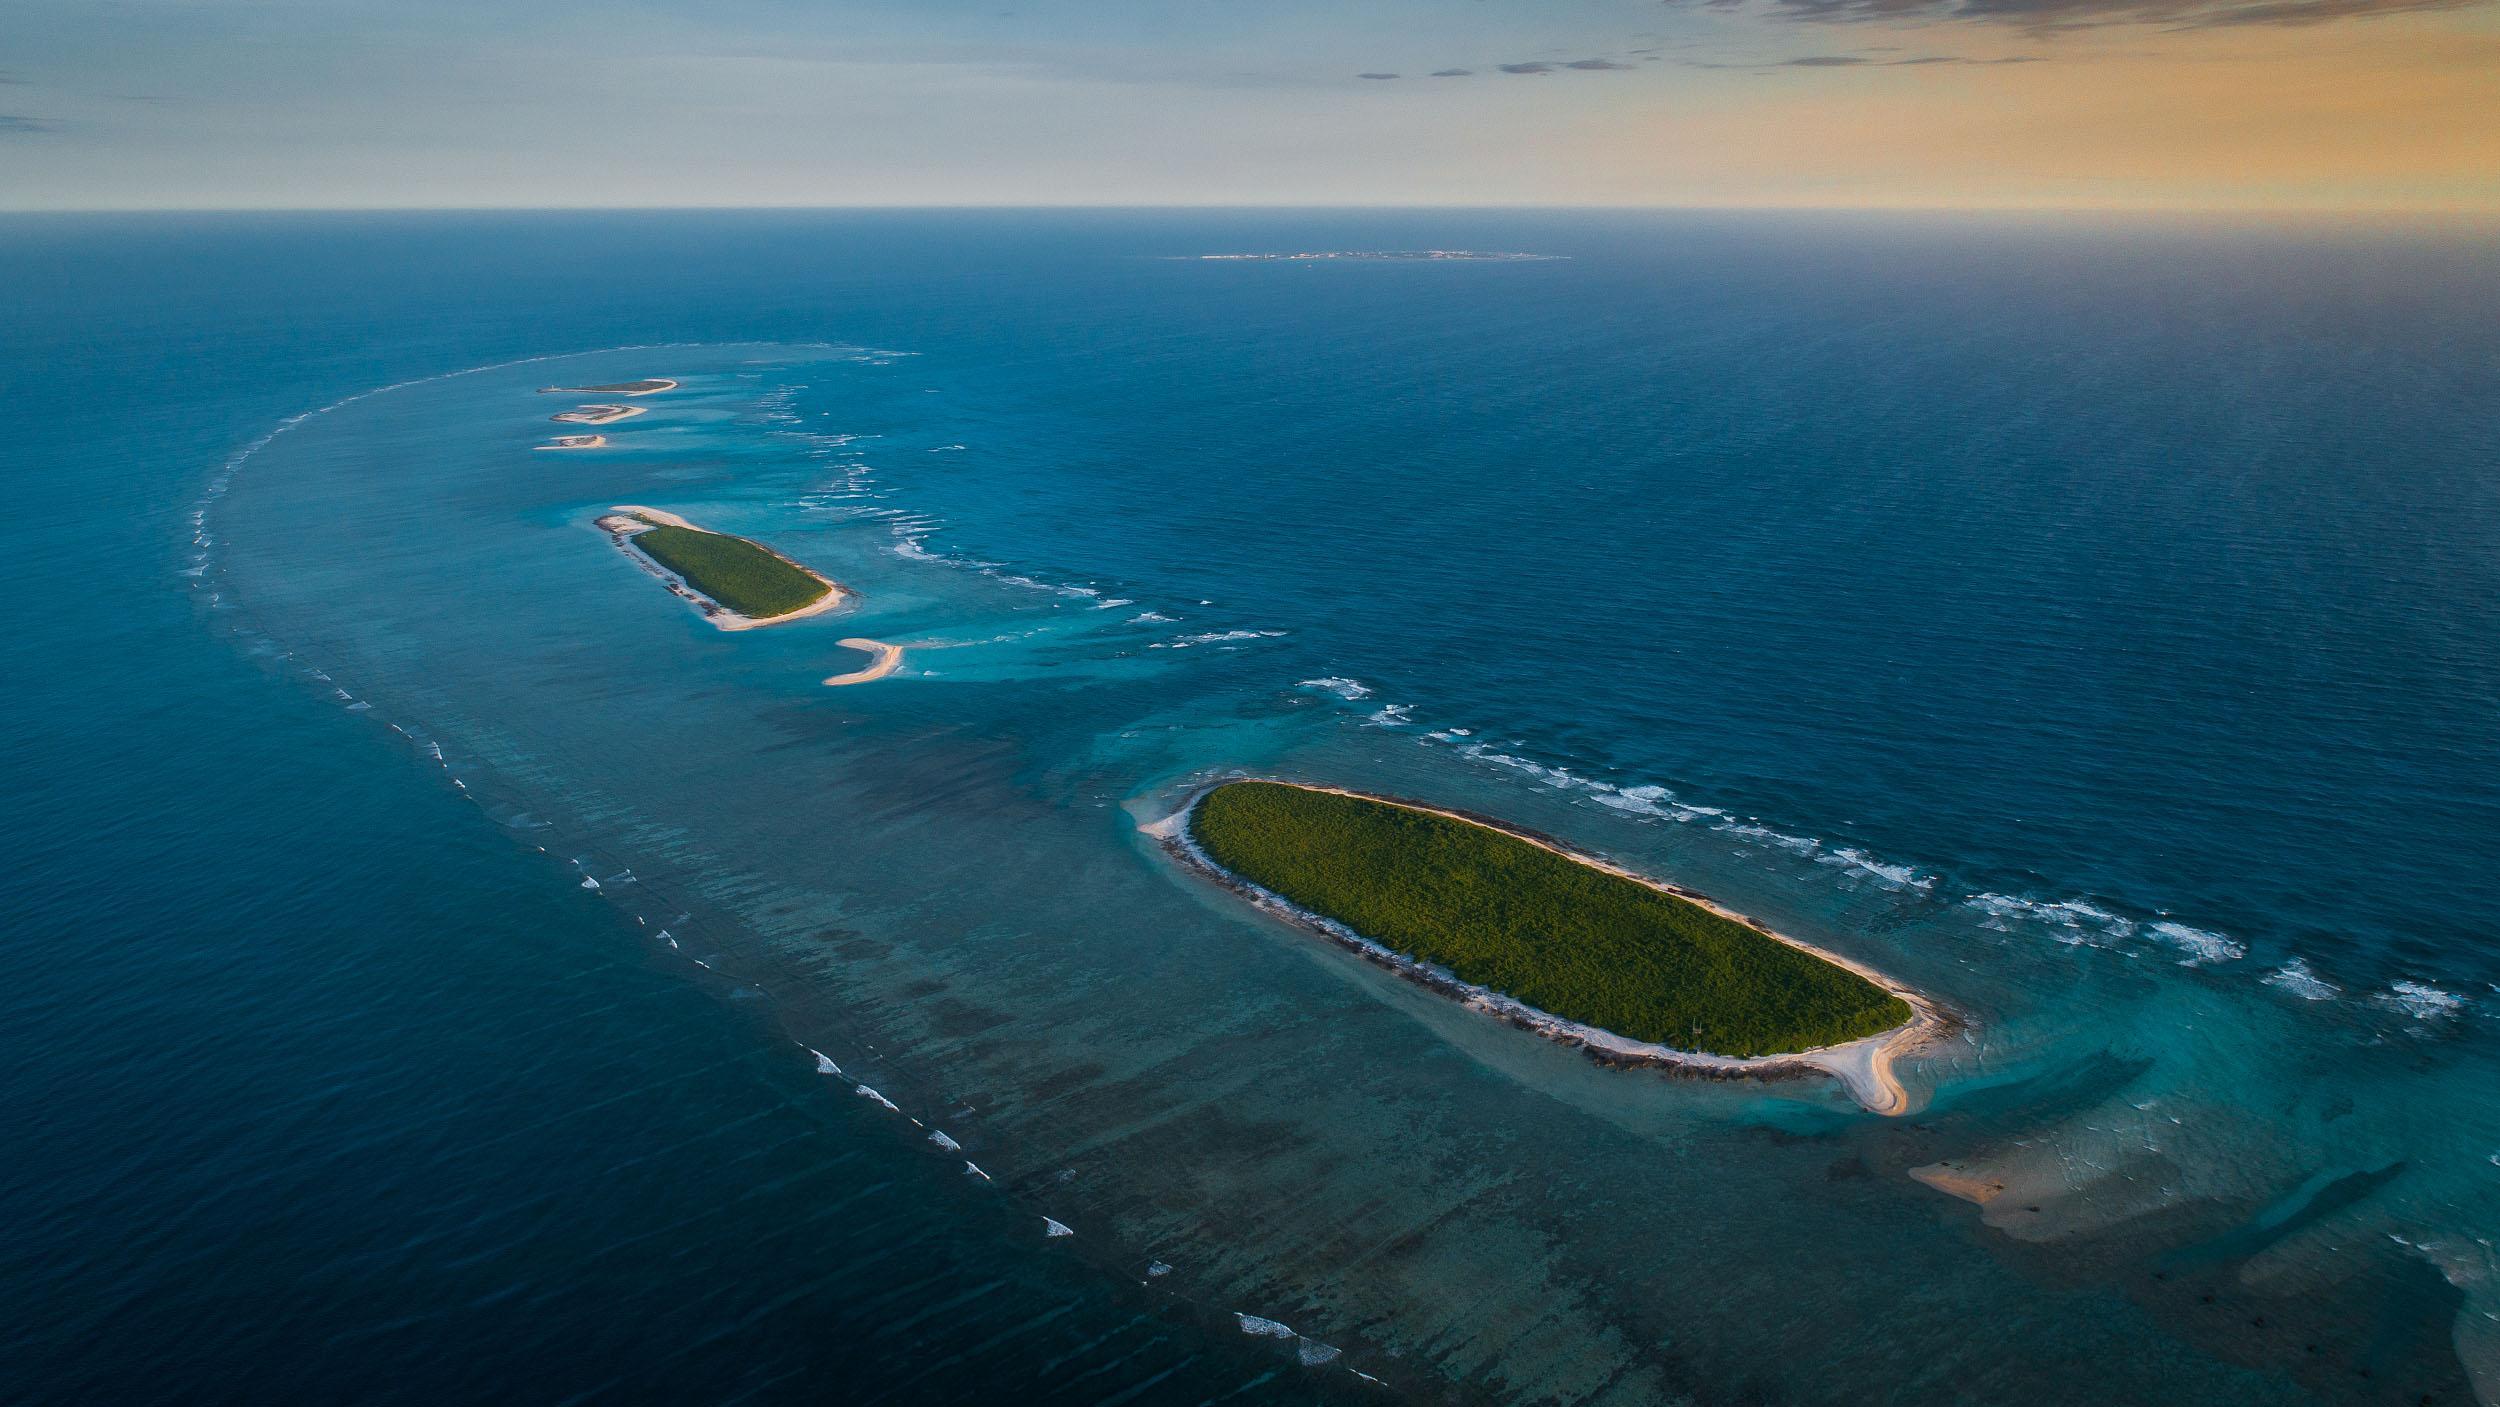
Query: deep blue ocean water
427, 930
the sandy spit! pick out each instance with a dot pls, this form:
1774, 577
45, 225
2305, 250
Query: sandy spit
889, 658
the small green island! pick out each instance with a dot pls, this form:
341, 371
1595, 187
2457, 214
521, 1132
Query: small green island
737, 583
1592, 946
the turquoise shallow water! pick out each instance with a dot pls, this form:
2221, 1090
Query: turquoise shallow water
2094, 628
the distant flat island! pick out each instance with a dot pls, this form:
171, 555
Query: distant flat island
1630, 969
1380, 255
735, 583
650, 386
577, 442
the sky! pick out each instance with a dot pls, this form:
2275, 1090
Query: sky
2292, 105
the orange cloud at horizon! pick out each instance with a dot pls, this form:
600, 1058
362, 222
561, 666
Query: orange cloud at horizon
2379, 114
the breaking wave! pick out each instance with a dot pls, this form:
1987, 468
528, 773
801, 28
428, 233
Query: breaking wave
2421, 1001
2296, 978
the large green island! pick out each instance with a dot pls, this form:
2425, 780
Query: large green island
1594, 951
738, 584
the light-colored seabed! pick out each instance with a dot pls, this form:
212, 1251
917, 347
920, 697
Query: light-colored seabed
889, 658
625, 521
1954, 1180
1864, 1067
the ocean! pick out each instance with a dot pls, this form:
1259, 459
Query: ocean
447, 968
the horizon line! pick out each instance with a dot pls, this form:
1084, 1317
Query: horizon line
2240, 211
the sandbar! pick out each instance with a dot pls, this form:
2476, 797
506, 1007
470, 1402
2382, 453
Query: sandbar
1955, 1180
577, 442
626, 521
1864, 1066
889, 658
650, 386
597, 414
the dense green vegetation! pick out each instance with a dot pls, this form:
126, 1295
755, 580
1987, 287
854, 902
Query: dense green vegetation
731, 570
1559, 935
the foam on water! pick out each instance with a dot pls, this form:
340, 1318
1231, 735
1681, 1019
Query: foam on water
1858, 862
2422, 1001
1214, 637
2202, 947
2296, 978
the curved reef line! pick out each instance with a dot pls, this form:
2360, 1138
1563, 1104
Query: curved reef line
625, 521
1864, 1066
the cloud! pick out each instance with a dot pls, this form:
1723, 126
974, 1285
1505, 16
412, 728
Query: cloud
1453, 73
2081, 14
1861, 61
12, 124
1554, 66
1376, 76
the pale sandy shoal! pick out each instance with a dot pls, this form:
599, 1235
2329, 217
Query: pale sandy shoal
578, 442
1955, 1180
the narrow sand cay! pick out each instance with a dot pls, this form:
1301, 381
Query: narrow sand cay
626, 521
889, 658
597, 414
577, 442
1956, 1180
1864, 1067
649, 386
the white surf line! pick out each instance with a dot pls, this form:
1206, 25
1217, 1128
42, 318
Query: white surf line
1310, 1352
1864, 1067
